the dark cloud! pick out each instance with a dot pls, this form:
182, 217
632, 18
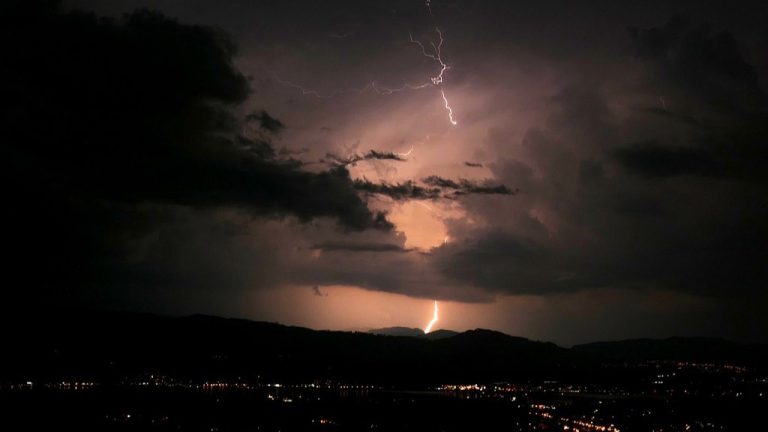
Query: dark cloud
102, 116
703, 64
360, 247
473, 164
663, 198
139, 110
398, 191
266, 121
467, 187
655, 160
371, 155
500, 261
718, 98
435, 188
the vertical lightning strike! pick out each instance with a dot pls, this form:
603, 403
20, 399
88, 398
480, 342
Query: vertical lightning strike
434, 320
449, 109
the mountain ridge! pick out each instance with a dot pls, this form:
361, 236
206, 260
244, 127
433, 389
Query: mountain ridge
413, 332
108, 345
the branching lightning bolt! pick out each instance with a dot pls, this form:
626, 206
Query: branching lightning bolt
434, 54
434, 320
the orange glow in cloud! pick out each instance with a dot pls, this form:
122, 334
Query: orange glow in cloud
420, 223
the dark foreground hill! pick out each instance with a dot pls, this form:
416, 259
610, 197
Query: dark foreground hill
674, 348
113, 345
414, 332
110, 346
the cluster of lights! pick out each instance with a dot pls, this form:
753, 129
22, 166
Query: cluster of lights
545, 411
70, 385
712, 367
593, 426
462, 387
224, 385
324, 421
576, 424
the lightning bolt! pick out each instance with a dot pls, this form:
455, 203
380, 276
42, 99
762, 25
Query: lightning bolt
434, 54
434, 320
408, 153
449, 109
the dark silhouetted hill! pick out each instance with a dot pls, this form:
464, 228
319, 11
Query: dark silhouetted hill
440, 334
674, 348
108, 347
414, 332
398, 331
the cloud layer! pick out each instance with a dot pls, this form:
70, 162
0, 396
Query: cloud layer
604, 153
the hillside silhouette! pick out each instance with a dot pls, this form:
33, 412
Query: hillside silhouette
110, 346
414, 332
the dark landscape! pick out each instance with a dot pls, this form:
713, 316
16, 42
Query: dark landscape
124, 371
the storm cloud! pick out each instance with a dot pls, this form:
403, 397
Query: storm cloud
607, 157
107, 118
657, 197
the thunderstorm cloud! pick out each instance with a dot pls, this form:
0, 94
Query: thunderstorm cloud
607, 168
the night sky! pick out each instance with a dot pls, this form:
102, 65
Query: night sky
298, 162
